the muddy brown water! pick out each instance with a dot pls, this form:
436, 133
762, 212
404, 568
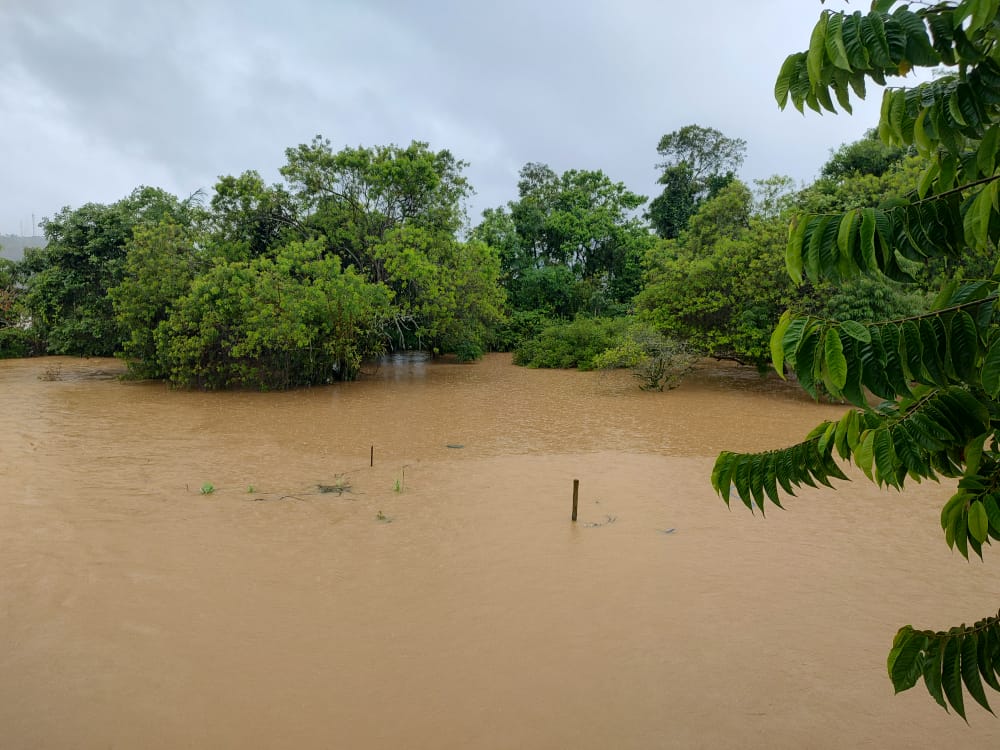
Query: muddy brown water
463, 610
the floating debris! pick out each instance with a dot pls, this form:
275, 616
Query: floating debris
455, 445
607, 520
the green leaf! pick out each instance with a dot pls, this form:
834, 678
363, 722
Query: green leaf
985, 658
817, 51
864, 454
970, 670
856, 331
789, 72
977, 216
964, 344
868, 240
986, 156
992, 511
777, 342
905, 662
836, 363
834, 39
932, 671
990, 374
920, 137
951, 677
793, 250
978, 522
885, 456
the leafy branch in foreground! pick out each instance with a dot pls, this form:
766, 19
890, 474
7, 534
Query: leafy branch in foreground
938, 373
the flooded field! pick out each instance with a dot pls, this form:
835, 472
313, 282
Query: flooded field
228, 570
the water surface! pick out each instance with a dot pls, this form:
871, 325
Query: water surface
441, 598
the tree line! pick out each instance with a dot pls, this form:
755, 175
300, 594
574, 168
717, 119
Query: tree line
368, 249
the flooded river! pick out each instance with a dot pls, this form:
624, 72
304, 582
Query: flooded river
441, 598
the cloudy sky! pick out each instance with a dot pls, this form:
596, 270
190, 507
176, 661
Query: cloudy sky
100, 96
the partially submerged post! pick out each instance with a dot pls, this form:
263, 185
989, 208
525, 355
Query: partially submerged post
576, 495
373, 456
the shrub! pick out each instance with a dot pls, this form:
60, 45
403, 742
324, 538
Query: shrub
572, 344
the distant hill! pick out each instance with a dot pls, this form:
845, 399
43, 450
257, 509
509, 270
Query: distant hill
12, 246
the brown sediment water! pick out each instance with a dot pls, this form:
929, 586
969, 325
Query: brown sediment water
442, 598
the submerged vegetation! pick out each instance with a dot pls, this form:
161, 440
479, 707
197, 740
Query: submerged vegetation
367, 250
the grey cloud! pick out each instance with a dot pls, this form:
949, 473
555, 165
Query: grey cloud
182, 91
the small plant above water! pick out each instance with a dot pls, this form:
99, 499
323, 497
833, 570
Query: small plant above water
340, 486
380, 516
51, 373
250, 489
208, 488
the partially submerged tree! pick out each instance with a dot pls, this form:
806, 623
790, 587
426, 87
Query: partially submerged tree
938, 373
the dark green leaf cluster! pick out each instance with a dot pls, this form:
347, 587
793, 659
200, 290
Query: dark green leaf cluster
947, 661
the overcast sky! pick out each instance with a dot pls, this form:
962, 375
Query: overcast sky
98, 97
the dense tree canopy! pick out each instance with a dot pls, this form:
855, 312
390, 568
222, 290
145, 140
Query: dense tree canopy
68, 280
697, 163
938, 372
570, 242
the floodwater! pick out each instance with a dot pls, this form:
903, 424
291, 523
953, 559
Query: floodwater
442, 598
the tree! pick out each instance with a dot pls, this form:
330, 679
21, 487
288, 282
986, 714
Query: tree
575, 234
939, 372
249, 217
697, 163
293, 319
161, 263
16, 339
68, 280
720, 284
356, 196
446, 292
869, 155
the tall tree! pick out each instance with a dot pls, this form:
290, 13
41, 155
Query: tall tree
574, 235
697, 163
938, 373
356, 196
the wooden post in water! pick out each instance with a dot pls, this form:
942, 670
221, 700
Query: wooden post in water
576, 496
373, 456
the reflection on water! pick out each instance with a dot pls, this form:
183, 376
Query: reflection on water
440, 598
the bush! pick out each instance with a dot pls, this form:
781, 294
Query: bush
573, 344
657, 361
273, 324
519, 327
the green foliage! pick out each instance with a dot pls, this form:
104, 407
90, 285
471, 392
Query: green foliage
573, 344
570, 243
865, 298
720, 285
517, 327
657, 361
446, 292
16, 338
67, 282
357, 196
293, 320
938, 371
697, 163
249, 218
208, 488
162, 262
868, 155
